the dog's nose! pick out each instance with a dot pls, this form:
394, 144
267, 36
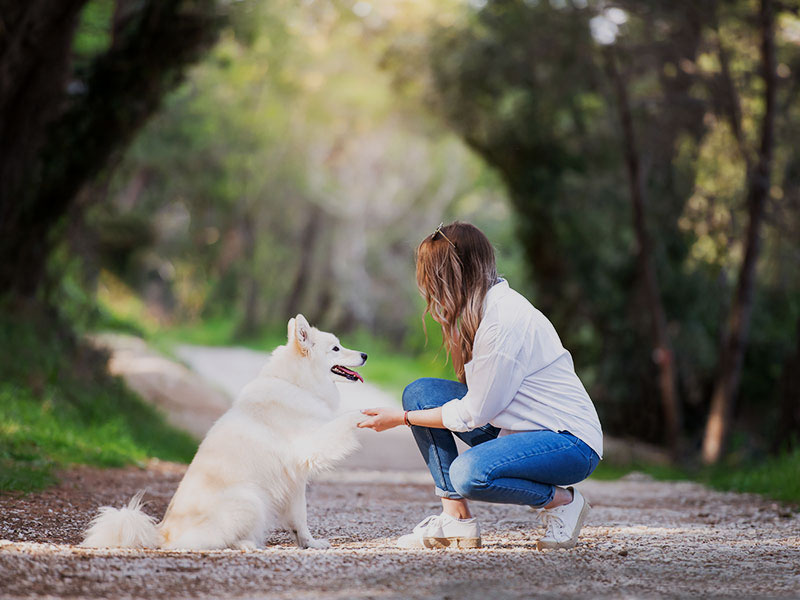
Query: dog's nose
364, 356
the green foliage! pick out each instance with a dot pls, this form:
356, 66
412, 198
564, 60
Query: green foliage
214, 331
94, 31
58, 407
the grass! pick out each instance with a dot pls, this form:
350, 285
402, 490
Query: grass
607, 471
59, 407
774, 477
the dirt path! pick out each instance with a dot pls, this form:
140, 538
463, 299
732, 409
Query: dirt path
643, 539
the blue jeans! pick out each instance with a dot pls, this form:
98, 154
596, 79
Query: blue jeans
520, 468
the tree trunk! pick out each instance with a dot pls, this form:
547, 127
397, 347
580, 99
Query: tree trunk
734, 340
35, 47
662, 351
55, 140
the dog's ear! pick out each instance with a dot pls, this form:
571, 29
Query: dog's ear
302, 334
290, 330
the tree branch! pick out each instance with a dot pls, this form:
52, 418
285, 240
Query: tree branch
151, 49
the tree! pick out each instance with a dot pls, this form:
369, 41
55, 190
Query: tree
663, 355
759, 177
61, 127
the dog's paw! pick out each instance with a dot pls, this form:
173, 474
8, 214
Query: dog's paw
318, 544
353, 417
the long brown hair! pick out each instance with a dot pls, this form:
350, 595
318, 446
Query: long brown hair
455, 269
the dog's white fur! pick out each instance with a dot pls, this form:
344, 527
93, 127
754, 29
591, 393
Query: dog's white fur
250, 472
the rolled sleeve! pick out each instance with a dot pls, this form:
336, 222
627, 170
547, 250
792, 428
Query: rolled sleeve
452, 417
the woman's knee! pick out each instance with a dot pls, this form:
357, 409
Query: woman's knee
467, 479
415, 393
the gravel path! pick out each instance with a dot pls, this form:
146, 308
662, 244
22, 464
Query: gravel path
643, 539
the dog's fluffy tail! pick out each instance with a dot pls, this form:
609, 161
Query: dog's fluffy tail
126, 527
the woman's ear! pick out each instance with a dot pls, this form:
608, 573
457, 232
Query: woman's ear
302, 334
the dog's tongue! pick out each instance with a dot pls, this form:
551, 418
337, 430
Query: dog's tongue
351, 372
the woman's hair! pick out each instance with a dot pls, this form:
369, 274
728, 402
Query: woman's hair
455, 269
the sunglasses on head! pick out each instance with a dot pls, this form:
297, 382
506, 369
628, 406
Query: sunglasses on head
438, 231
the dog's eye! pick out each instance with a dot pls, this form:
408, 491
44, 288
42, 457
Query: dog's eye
335, 348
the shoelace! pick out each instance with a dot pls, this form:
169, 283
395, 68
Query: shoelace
539, 514
552, 521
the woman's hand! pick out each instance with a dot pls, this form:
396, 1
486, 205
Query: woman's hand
382, 419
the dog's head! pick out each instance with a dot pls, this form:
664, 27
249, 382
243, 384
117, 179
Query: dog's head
324, 350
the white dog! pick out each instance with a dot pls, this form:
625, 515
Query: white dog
250, 472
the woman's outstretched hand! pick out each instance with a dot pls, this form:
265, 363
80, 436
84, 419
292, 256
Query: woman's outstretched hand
383, 418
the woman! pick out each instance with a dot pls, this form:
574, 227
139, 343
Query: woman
518, 403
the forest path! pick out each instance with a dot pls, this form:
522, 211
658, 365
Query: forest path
642, 539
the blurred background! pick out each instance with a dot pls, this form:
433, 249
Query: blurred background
198, 171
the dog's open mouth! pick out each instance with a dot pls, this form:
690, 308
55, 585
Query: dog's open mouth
346, 373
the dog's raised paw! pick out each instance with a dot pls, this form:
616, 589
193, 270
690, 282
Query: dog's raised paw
353, 417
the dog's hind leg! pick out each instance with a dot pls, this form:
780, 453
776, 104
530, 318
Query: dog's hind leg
246, 545
235, 518
297, 520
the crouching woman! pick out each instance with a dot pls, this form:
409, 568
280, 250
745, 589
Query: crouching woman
531, 427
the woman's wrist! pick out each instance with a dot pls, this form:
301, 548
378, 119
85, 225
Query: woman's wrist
405, 418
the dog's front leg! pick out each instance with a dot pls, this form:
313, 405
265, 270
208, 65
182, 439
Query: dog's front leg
331, 442
297, 521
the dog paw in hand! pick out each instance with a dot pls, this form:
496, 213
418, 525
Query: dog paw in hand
353, 417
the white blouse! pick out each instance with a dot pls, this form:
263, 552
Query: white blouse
520, 377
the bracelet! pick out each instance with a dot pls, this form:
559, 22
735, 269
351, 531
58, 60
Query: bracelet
405, 419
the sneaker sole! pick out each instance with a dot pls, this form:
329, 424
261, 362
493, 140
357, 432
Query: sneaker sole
456, 542
570, 543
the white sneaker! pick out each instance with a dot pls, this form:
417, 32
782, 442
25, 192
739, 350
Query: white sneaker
564, 523
443, 531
